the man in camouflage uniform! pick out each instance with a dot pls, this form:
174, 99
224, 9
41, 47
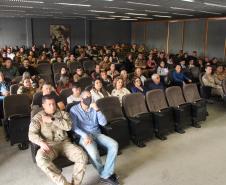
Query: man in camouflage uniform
48, 130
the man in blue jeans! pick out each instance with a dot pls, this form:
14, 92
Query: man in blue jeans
86, 119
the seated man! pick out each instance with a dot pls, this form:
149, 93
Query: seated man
75, 97
9, 71
86, 122
26, 67
156, 83
79, 74
179, 78
47, 89
48, 130
209, 80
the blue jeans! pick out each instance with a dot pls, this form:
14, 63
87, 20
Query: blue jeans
111, 145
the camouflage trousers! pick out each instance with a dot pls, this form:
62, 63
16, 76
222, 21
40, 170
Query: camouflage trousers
72, 152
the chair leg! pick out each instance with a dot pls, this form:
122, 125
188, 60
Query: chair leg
23, 146
138, 142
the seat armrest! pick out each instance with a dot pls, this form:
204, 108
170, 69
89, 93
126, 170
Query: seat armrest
73, 136
17, 116
146, 114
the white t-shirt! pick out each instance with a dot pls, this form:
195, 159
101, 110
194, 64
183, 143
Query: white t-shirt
72, 99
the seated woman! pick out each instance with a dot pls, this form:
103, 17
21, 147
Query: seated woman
98, 91
179, 78
162, 70
105, 64
96, 73
64, 75
26, 88
137, 86
140, 62
119, 89
124, 76
115, 59
138, 72
151, 64
112, 72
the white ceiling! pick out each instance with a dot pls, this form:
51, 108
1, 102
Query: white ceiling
113, 9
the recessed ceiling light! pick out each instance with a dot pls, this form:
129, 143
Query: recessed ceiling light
186, 9
164, 16
71, 4
128, 19
119, 8
148, 18
100, 11
110, 18
89, 14
210, 12
191, 1
145, 4
16, 6
183, 14
27, 1
47, 8
154, 11
13, 11
141, 14
216, 5
120, 16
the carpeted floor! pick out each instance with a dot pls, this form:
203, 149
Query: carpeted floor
197, 157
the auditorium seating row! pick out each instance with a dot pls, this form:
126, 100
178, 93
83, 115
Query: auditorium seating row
138, 119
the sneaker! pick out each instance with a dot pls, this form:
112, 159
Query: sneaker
112, 180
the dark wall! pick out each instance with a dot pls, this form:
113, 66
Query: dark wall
27, 31
216, 38
110, 32
41, 32
16, 31
156, 35
207, 36
194, 36
175, 36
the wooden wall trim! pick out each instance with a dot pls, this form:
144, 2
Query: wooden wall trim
206, 38
167, 37
183, 33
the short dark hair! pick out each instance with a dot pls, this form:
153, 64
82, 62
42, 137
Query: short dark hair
8, 59
47, 97
75, 85
26, 59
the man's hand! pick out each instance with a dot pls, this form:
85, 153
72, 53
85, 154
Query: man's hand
5, 93
44, 147
88, 140
189, 81
94, 106
46, 119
